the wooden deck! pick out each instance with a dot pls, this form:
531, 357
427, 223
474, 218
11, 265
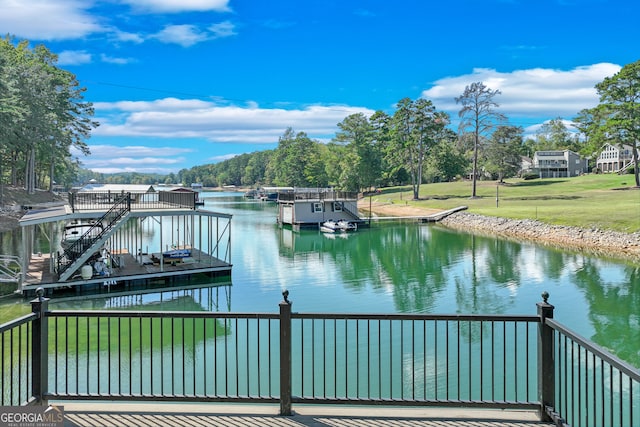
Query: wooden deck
131, 269
192, 415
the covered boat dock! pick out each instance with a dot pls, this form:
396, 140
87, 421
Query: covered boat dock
144, 240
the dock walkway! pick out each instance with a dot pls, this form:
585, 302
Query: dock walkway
79, 414
434, 217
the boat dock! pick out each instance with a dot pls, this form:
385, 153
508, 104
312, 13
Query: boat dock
311, 207
142, 240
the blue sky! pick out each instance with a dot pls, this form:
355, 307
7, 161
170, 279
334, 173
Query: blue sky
178, 83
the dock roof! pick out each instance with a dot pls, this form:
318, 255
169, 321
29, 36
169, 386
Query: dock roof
117, 188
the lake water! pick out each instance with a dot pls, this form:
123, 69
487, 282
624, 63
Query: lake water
397, 267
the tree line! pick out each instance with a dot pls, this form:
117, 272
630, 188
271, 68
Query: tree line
43, 115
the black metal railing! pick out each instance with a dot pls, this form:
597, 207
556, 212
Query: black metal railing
161, 200
197, 356
428, 360
16, 351
495, 361
592, 388
320, 195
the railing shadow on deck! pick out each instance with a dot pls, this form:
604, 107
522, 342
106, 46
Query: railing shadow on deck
482, 361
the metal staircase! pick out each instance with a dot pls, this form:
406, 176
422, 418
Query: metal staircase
76, 255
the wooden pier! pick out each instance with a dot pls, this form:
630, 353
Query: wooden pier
434, 217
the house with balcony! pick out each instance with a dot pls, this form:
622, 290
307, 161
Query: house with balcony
559, 164
615, 158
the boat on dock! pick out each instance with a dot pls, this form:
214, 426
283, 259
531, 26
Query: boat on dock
86, 232
340, 226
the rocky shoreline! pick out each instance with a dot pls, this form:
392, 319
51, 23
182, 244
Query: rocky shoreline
601, 242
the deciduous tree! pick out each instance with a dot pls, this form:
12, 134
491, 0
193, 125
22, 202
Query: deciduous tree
362, 162
503, 151
417, 127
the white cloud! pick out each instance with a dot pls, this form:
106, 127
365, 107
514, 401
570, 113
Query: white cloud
48, 20
535, 129
537, 92
114, 60
176, 6
223, 29
188, 35
136, 151
223, 157
183, 35
165, 104
173, 118
123, 36
134, 158
74, 57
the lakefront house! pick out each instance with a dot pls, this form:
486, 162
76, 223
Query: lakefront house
614, 158
559, 164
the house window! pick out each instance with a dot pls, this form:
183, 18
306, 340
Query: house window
317, 207
337, 207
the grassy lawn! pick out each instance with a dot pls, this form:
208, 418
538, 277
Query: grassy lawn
600, 201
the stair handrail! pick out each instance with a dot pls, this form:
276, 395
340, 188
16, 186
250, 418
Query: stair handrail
119, 208
7, 274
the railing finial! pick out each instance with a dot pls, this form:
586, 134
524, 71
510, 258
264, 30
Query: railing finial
285, 295
545, 296
40, 293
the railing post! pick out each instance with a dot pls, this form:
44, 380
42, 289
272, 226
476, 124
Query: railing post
546, 363
40, 348
285, 354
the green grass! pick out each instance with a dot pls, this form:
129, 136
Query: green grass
12, 308
591, 201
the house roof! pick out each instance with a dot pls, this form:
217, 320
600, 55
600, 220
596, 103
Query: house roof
617, 146
544, 153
